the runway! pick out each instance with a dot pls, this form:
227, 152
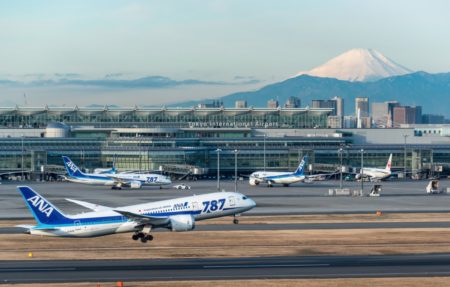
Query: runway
291, 226
230, 269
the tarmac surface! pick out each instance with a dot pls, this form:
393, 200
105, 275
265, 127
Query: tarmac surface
290, 226
301, 198
230, 268
397, 196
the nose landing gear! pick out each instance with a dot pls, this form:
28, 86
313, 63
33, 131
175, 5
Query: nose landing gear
235, 220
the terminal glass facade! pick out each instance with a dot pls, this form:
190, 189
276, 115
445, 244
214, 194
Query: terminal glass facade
170, 117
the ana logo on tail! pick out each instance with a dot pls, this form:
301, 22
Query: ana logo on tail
301, 166
72, 166
41, 205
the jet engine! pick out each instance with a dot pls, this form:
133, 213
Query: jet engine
135, 184
182, 223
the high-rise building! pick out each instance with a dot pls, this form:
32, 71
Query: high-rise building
432, 119
349, 122
213, 104
335, 122
292, 102
273, 104
339, 106
240, 104
418, 111
407, 115
382, 113
315, 104
362, 106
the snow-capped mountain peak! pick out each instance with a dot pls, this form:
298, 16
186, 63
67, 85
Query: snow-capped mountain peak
358, 65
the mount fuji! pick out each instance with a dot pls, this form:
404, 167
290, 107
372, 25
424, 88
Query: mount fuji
360, 65
356, 73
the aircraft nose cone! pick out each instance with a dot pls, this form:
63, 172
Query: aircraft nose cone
252, 203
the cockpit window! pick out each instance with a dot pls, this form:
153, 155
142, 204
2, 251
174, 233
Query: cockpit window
244, 197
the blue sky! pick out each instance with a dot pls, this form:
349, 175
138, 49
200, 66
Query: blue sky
245, 44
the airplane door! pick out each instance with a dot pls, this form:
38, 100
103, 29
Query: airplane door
232, 201
77, 225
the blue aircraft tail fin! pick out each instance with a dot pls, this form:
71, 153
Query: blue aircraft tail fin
71, 167
43, 211
301, 167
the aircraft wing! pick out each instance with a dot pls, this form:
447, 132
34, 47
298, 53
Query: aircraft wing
144, 219
15, 172
322, 176
91, 206
25, 226
117, 179
29, 227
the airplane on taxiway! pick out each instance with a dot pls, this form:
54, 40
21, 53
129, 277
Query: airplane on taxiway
115, 180
284, 177
376, 173
178, 214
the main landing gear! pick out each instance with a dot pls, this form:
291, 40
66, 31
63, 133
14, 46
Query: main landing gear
142, 236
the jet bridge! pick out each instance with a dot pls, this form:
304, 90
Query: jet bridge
183, 170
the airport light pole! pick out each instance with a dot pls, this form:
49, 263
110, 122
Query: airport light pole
404, 157
218, 168
21, 166
362, 170
431, 164
140, 155
340, 178
264, 152
235, 169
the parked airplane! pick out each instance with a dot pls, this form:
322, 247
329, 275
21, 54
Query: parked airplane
178, 214
284, 178
117, 181
377, 173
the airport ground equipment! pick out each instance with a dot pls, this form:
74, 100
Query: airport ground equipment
182, 186
376, 190
433, 187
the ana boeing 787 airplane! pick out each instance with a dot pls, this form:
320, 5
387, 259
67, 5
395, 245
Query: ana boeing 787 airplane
178, 214
285, 178
115, 180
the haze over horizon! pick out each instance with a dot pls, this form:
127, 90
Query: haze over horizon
193, 50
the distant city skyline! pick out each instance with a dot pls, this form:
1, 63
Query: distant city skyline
224, 46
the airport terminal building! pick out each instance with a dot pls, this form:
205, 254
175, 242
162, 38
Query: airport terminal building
188, 141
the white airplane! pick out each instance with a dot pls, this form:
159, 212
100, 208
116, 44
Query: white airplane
117, 180
284, 178
178, 214
377, 173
